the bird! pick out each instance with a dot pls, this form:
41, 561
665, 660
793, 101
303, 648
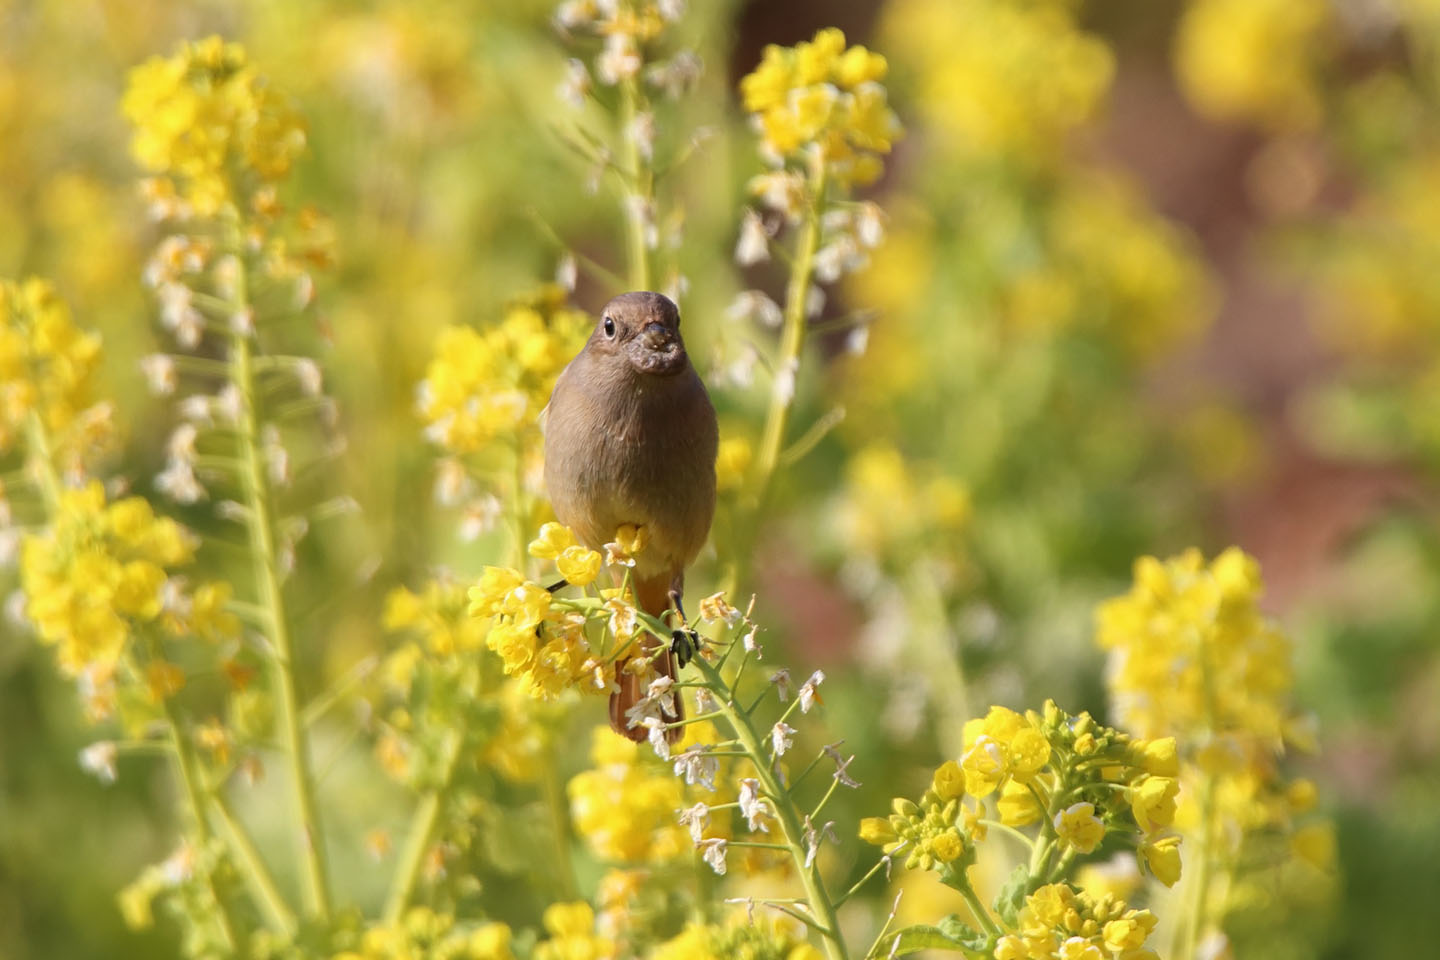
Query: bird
631, 438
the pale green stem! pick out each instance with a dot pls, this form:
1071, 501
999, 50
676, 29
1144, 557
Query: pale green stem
190, 783
792, 342
263, 888
637, 191
982, 915
271, 599
422, 831
827, 923
46, 474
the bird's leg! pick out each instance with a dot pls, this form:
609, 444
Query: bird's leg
684, 643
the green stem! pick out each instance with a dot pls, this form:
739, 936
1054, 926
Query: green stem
1188, 933
47, 476
972, 899
422, 831
190, 782
252, 867
637, 190
271, 599
792, 343
815, 894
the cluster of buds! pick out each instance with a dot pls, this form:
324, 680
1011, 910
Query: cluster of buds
1057, 921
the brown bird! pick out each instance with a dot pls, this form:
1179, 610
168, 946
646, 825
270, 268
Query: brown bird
630, 437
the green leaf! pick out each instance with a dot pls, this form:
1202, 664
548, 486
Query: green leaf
1011, 896
951, 934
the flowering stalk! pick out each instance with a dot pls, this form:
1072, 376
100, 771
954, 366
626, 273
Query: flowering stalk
422, 831
638, 187
792, 339
259, 521
825, 922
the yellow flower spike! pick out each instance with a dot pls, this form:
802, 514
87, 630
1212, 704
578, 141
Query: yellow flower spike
578, 565
1078, 826
1162, 857
554, 539
1152, 800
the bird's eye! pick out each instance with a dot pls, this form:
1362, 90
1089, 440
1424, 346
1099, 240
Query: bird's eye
609, 327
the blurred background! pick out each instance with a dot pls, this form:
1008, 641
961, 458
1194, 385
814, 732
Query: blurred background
1157, 274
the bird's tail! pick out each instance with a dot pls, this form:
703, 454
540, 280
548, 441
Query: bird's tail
652, 596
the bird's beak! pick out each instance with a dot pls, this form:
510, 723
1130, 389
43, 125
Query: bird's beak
656, 336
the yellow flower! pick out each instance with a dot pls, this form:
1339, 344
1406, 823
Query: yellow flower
1078, 826
1017, 805
732, 463
578, 565
1152, 800
47, 365
572, 934
486, 384
877, 831
820, 95
1163, 858
947, 846
949, 781
632, 539
204, 112
624, 806
554, 539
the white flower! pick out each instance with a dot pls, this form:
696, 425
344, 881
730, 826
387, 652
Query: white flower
870, 225
177, 481
99, 759
698, 766
808, 696
754, 243
642, 133
307, 374
181, 445
480, 516
228, 403
715, 854
842, 773
159, 370
858, 339
755, 305
781, 679
658, 740
242, 322
754, 809
567, 273
676, 76
781, 737
620, 60
575, 13
575, 85
277, 458
697, 818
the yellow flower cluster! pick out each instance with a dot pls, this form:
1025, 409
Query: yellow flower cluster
424, 934
1191, 652
890, 504
542, 644
96, 572
46, 368
624, 806
577, 564
1002, 77
742, 936
823, 96
1254, 60
493, 383
1192, 657
1057, 922
1075, 777
572, 935
439, 614
205, 118
99, 575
